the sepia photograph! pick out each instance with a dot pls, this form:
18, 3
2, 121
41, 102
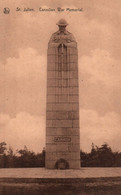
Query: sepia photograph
60, 97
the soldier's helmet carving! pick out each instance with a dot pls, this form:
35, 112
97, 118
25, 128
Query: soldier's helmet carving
62, 22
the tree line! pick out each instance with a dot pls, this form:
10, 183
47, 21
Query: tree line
102, 156
22, 158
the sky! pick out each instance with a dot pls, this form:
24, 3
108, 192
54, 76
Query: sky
24, 40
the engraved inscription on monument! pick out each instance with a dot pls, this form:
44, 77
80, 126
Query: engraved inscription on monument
62, 139
62, 108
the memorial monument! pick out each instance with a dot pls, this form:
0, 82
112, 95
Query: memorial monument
62, 108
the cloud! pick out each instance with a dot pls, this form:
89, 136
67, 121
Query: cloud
23, 83
22, 130
4, 119
29, 130
29, 63
100, 66
99, 129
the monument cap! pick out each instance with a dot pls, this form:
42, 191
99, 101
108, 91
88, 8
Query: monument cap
62, 22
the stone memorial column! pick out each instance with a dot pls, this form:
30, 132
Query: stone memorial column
62, 108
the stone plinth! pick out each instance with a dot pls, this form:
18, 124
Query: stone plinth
36, 181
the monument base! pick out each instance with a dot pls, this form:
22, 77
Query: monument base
63, 164
36, 181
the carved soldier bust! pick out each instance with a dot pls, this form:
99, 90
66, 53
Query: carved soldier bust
62, 35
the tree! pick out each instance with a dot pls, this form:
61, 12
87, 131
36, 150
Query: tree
99, 157
2, 154
10, 157
2, 148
